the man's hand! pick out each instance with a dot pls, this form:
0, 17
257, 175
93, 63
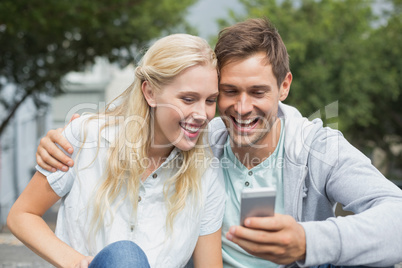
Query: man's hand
279, 239
49, 156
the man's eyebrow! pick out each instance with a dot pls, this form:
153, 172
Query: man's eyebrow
261, 87
227, 85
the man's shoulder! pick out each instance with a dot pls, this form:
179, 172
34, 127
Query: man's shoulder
285, 110
216, 130
306, 137
217, 136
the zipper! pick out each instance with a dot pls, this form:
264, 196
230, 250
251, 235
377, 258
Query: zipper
302, 193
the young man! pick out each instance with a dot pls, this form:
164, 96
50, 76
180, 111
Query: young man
262, 142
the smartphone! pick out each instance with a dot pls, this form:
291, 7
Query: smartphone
259, 202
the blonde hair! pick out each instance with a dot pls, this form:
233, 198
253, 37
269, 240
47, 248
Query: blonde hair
161, 64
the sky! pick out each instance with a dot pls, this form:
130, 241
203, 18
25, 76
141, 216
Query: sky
204, 13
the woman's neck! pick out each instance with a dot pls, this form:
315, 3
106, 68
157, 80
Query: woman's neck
155, 157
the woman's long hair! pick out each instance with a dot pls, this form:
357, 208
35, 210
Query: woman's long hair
160, 65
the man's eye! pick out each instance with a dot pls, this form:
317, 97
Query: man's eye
230, 92
259, 93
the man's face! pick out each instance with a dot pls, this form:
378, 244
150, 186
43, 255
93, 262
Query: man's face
248, 99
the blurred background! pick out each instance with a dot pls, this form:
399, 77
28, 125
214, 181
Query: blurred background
61, 57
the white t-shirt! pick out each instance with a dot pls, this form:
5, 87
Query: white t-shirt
148, 230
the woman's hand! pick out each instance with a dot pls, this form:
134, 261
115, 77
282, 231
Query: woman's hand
84, 263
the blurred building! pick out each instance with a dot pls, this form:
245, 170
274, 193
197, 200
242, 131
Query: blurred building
18, 145
86, 91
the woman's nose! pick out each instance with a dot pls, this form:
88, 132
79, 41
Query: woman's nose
200, 113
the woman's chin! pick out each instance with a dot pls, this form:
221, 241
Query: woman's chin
185, 145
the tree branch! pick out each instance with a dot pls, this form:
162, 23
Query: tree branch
13, 110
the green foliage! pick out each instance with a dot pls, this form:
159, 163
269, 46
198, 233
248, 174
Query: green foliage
340, 51
42, 40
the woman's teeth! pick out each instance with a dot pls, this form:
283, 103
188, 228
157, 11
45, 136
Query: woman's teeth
189, 128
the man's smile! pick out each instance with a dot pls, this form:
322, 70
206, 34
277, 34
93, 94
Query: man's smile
245, 125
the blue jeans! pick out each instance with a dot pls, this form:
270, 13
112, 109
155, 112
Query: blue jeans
122, 254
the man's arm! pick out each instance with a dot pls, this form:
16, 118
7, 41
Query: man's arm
279, 239
49, 156
372, 235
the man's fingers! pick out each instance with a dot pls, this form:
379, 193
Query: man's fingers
53, 154
275, 223
44, 159
260, 236
271, 249
73, 117
55, 136
257, 248
43, 165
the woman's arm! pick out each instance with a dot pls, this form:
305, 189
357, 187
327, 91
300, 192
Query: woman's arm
208, 251
26, 223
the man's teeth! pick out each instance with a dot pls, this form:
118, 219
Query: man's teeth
244, 122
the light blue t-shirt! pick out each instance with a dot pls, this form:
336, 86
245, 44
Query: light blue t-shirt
238, 177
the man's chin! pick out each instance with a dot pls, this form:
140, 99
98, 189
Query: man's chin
240, 140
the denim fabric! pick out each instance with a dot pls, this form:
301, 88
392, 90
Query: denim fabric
122, 254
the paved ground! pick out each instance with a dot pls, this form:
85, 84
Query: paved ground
19, 256
13, 254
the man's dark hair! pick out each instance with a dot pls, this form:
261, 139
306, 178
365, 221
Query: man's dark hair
244, 39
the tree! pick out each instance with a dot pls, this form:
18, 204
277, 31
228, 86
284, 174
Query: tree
42, 40
341, 51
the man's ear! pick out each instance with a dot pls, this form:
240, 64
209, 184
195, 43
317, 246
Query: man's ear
148, 93
285, 87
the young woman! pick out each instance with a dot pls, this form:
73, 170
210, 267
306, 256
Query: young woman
141, 173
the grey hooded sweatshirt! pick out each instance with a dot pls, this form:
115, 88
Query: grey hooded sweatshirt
321, 169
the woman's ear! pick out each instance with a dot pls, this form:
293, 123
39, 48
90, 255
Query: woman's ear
148, 93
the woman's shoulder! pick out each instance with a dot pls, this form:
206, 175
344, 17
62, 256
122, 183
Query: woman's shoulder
85, 130
213, 175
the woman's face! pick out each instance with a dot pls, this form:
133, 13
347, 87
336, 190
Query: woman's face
183, 108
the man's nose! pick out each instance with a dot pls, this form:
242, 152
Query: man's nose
243, 105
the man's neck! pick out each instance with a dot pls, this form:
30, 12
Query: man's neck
251, 156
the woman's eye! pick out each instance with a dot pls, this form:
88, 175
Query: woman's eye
211, 100
187, 99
